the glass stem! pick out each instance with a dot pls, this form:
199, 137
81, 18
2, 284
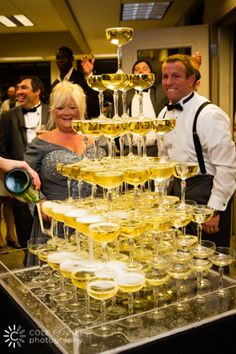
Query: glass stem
122, 144
101, 104
199, 233
124, 104
115, 98
119, 58
221, 273
103, 311
183, 190
95, 143
130, 304
69, 182
141, 105
155, 297
131, 250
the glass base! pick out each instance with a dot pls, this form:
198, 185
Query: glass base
116, 311
132, 322
88, 318
104, 331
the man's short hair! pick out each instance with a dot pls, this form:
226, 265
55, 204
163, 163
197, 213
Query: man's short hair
67, 51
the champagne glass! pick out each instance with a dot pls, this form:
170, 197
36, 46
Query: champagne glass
114, 82
80, 278
222, 257
202, 262
95, 82
119, 36
141, 82
103, 287
88, 128
201, 214
162, 127
160, 172
109, 179
130, 229
129, 283
104, 232
184, 170
54, 259
67, 267
136, 175
111, 129
140, 127
33, 246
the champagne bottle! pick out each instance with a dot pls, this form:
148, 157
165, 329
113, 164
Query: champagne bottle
18, 182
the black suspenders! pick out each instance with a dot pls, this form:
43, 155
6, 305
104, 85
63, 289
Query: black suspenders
196, 140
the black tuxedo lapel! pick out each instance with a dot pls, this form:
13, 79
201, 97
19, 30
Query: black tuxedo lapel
22, 128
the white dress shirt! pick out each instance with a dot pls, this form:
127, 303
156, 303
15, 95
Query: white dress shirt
33, 122
148, 112
214, 131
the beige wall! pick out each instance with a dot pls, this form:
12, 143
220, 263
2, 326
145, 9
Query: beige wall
195, 37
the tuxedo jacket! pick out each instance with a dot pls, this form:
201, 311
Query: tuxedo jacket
13, 139
91, 95
157, 95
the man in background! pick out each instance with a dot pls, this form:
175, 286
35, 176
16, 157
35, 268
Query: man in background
11, 101
64, 60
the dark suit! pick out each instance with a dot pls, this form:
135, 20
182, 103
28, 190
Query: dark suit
13, 142
157, 95
91, 95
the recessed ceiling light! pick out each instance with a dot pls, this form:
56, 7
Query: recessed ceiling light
15, 21
144, 11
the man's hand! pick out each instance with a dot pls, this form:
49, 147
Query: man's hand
212, 226
87, 65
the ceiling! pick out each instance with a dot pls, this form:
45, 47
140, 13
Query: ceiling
79, 24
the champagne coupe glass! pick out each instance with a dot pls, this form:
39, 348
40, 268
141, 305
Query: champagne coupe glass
130, 229
136, 175
33, 246
95, 82
66, 170
66, 268
88, 175
160, 172
104, 232
184, 170
89, 128
114, 82
109, 179
80, 279
201, 262
111, 129
103, 287
156, 277
141, 82
140, 127
54, 259
201, 214
223, 256
119, 36
181, 215
179, 269
129, 283
162, 127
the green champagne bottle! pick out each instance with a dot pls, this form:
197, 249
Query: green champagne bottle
18, 182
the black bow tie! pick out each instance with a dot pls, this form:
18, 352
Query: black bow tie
174, 106
34, 109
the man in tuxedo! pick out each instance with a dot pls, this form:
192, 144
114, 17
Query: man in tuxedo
64, 60
17, 128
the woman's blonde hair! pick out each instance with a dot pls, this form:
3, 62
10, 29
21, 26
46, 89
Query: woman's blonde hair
64, 91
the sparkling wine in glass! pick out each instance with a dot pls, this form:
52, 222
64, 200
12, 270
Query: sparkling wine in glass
223, 256
184, 170
141, 82
102, 288
119, 36
95, 82
162, 127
